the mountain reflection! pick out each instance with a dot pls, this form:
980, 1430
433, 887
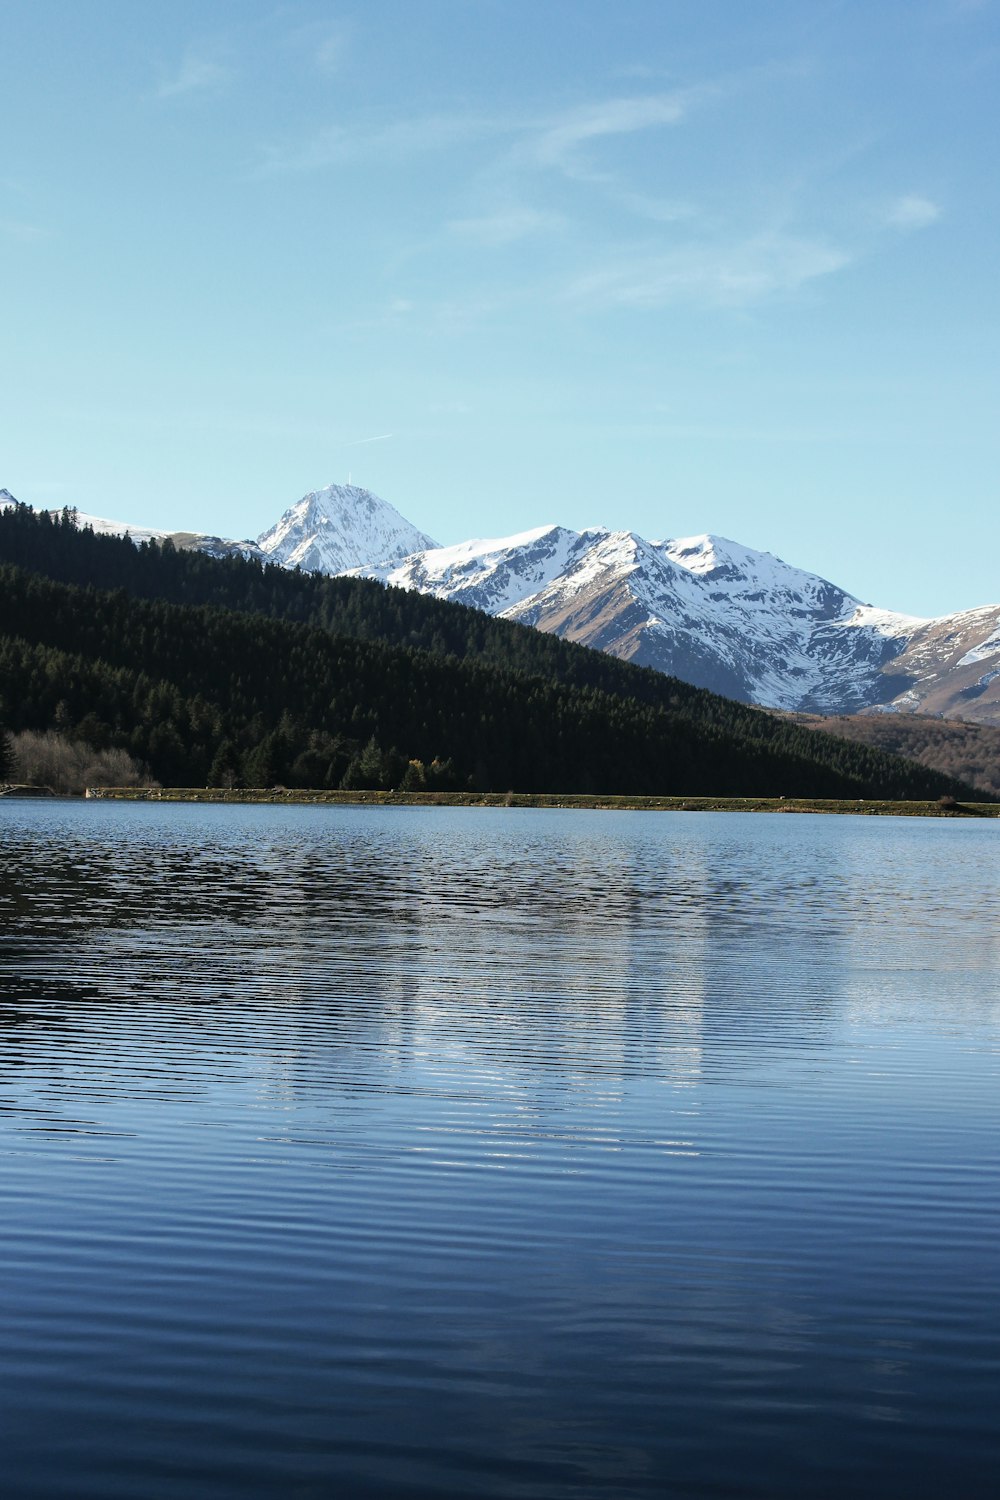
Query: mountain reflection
569, 949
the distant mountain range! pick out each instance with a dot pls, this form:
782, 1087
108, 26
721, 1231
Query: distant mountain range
713, 612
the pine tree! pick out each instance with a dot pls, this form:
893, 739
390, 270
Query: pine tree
225, 768
367, 771
266, 764
414, 777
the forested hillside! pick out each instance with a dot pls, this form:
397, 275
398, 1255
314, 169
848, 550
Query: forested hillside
227, 671
968, 751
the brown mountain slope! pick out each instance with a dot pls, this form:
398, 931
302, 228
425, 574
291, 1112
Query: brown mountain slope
966, 750
952, 666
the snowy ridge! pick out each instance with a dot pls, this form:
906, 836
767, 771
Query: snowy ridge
886, 621
186, 541
486, 573
105, 527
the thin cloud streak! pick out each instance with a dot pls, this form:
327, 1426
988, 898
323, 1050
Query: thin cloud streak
548, 141
658, 210
506, 226
695, 263
760, 267
911, 212
336, 145
559, 143
322, 44
195, 74
16, 230
329, 54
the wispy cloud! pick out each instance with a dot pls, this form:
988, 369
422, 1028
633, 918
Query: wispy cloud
330, 51
326, 147
322, 44
659, 210
553, 141
196, 73
449, 315
911, 211
337, 144
560, 142
506, 225
753, 270
15, 229
750, 248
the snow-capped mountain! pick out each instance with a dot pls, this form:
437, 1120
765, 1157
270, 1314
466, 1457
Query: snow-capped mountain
338, 528
707, 610
722, 616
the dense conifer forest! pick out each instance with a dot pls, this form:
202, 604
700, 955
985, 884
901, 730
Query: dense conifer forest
227, 672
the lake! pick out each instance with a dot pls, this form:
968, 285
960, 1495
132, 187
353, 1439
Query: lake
458, 1152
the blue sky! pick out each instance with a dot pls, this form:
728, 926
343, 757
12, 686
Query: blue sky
675, 267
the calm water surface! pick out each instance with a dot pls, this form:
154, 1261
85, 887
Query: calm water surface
369, 1152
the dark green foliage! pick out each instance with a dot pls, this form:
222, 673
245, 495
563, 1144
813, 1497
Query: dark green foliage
269, 762
226, 769
226, 672
373, 770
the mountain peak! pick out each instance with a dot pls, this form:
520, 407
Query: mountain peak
729, 565
704, 553
338, 527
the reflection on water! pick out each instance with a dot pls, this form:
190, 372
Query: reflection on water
485, 1152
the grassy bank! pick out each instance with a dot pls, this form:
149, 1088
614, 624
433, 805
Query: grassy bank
278, 796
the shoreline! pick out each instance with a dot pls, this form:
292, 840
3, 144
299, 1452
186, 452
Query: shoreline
279, 796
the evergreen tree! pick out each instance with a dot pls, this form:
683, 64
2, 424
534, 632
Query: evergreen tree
367, 770
225, 770
414, 777
267, 763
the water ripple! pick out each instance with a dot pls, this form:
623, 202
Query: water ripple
465, 1152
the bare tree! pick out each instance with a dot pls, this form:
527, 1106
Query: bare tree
52, 760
